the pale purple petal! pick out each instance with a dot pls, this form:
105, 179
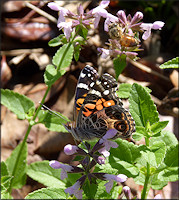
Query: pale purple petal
104, 3
109, 186
158, 25
110, 134
104, 152
70, 149
117, 178
75, 190
146, 34
146, 26
127, 192
63, 174
158, 196
80, 10
122, 16
67, 27
137, 17
55, 164
53, 6
101, 160
104, 52
96, 21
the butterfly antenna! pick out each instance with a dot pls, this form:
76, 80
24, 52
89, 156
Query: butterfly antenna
52, 112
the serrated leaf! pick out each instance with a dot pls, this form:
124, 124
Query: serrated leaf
174, 63
43, 173
141, 106
18, 155
51, 74
124, 157
137, 136
169, 174
158, 126
124, 90
167, 137
48, 193
157, 183
59, 40
17, 103
159, 150
63, 56
53, 122
77, 50
119, 64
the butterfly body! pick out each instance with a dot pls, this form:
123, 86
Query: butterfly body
98, 109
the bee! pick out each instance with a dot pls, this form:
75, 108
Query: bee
116, 32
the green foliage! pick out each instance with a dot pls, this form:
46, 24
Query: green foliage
17, 103
51, 74
63, 56
82, 31
142, 107
47, 193
43, 173
119, 64
174, 63
124, 90
59, 40
51, 121
17, 164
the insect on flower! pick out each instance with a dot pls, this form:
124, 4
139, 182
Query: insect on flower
116, 32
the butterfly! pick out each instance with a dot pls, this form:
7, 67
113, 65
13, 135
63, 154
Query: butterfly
97, 108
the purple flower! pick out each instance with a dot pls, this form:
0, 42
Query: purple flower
127, 192
65, 168
146, 27
107, 143
112, 178
99, 12
75, 190
70, 149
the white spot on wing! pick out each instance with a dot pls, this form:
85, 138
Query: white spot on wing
92, 84
82, 75
106, 92
82, 85
95, 92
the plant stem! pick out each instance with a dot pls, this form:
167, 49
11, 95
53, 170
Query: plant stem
145, 189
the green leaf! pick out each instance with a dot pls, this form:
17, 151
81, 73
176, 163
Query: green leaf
53, 122
169, 174
141, 130
158, 126
137, 136
43, 173
5, 194
5, 182
124, 157
63, 56
82, 31
124, 90
17, 103
77, 50
48, 193
59, 40
51, 74
159, 150
4, 170
141, 106
174, 63
18, 155
167, 137
157, 183
171, 158
119, 64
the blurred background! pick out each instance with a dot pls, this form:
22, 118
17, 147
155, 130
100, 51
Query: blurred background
26, 28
